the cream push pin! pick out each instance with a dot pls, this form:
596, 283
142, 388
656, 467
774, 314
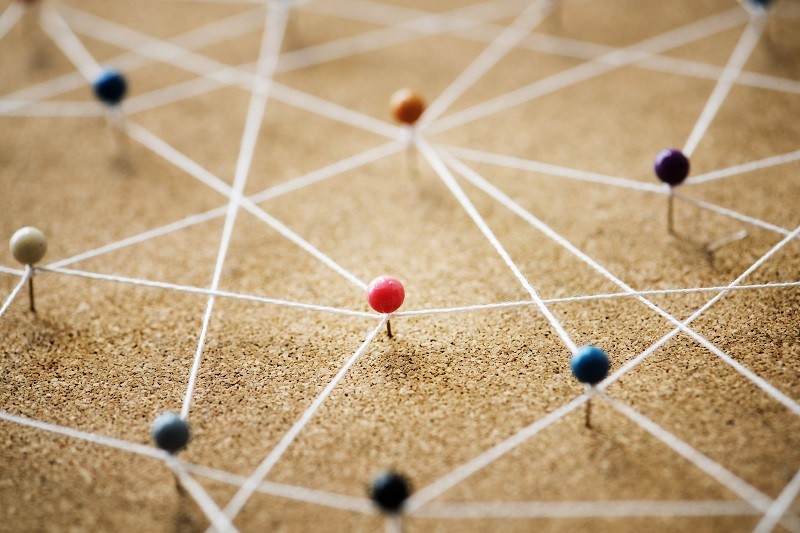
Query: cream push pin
28, 245
385, 294
406, 107
672, 168
590, 366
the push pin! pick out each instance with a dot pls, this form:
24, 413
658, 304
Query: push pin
671, 167
757, 7
28, 245
110, 87
406, 107
385, 295
389, 491
170, 432
590, 366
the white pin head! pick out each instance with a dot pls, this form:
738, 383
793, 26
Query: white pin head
28, 245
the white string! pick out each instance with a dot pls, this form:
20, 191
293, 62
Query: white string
733, 214
302, 494
619, 58
111, 442
15, 292
495, 193
491, 55
433, 159
32, 108
160, 147
465, 470
745, 46
272, 40
293, 492
203, 500
240, 498
206, 292
585, 509
13, 271
313, 55
744, 168
591, 297
546, 168
747, 492
270, 193
569, 173
10, 17
779, 506
65, 39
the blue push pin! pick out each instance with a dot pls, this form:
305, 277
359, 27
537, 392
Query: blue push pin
110, 87
170, 432
590, 365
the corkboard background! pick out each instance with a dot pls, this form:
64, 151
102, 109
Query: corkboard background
106, 357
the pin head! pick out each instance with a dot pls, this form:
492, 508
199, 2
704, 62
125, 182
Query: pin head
590, 364
406, 106
385, 294
671, 166
170, 432
389, 491
110, 87
28, 245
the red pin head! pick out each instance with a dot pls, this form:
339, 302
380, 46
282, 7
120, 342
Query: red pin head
385, 294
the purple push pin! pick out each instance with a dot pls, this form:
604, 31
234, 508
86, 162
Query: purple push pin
671, 167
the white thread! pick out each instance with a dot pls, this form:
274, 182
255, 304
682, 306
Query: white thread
65, 39
462, 472
733, 214
745, 46
293, 492
747, 492
619, 58
13, 271
15, 292
779, 506
585, 509
271, 42
448, 179
746, 167
32, 108
240, 498
10, 17
206, 292
160, 147
201, 497
111, 442
546, 168
491, 55
495, 193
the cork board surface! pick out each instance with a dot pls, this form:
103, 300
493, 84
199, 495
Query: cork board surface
700, 429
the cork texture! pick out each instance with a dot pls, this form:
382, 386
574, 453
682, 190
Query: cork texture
106, 357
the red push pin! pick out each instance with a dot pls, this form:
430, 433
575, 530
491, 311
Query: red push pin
385, 295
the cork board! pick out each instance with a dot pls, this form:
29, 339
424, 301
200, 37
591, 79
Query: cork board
549, 147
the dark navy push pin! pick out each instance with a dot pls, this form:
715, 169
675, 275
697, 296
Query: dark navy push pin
389, 491
590, 366
758, 6
672, 168
170, 432
110, 87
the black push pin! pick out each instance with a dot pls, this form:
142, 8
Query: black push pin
672, 168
